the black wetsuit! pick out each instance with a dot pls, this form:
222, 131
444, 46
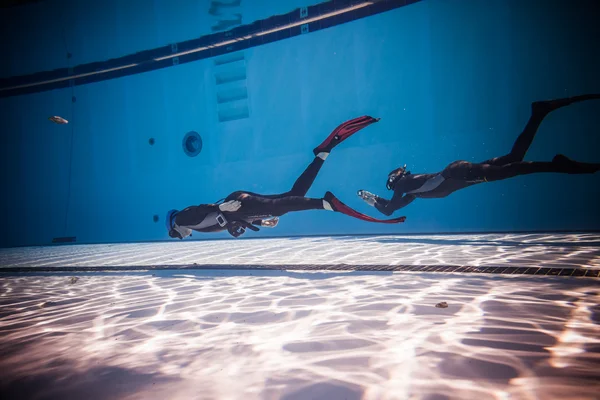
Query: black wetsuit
461, 174
256, 207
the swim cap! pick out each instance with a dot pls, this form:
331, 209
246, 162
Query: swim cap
169, 219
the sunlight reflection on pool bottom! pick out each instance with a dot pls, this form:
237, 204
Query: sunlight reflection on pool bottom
296, 335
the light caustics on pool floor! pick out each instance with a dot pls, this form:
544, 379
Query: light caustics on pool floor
564, 251
298, 335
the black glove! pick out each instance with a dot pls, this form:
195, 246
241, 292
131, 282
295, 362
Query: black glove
236, 229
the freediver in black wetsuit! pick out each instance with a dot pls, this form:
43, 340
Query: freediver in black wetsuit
241, 209
461, 174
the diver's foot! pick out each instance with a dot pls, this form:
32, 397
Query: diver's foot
368, 197
343, 132
575, 167
547, 106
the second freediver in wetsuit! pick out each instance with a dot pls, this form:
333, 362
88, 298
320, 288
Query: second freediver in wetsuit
241, 209
461, 174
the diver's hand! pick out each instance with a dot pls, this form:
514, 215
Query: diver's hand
230, 206
368, 197
270, 223
235, 229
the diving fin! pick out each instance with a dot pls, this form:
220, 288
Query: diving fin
343, 132
338, 206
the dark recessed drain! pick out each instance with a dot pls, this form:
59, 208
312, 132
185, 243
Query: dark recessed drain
192, 143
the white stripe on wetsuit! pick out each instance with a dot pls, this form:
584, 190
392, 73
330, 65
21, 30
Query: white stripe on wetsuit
430, 184
209, 220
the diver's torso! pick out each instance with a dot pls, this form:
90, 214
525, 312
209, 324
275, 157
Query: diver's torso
210, 225
208, 222
410, 183
430, 186
447, 187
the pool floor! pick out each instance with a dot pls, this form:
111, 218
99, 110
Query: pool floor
302, 333
556, 251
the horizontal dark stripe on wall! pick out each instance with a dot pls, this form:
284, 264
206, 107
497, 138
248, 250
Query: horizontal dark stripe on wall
280, 27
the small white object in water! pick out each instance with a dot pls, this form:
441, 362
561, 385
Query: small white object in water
58, 120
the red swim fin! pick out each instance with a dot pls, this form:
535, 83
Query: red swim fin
343, 132
338, 206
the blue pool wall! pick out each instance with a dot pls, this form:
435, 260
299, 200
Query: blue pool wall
449, 80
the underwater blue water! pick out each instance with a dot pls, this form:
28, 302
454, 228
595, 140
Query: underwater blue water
449, 80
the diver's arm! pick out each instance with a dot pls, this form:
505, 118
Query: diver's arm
236, 229
398, 201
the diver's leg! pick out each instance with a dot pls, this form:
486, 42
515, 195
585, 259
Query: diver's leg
304, 181
339, 134
575, 167
474, 173
262, 205
539, 110
302, 184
